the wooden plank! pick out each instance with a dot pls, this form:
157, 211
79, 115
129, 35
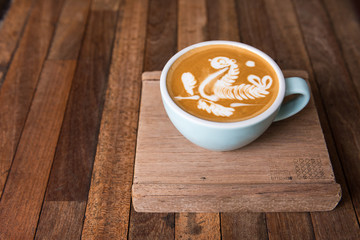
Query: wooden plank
161, 43
151, 225
151, 75
286, 226
338, 224
345, 21
161, 34
70, 29
334, 80
243, 226
254, 26
192, 28
236, 197
108, 208
60, 220
11, 29
292, 53
222, 20
25, 188
106, 5
52, 14
71, 170
71, 173
18, 88
197, 226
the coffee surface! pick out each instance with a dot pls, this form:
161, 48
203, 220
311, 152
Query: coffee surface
222, 83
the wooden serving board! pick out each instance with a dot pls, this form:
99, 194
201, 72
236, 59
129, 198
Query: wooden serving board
286, 169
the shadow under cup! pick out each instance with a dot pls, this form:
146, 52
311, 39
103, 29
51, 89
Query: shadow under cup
225, 136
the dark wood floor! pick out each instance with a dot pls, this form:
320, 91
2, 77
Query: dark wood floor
4, 6
70, 78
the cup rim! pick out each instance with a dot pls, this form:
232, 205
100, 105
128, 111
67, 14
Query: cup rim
243, 123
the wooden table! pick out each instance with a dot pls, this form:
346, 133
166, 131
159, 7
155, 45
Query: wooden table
70, 75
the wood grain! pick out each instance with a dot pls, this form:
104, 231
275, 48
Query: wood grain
222, 20
197, 226
334, 80
11, 29
71, 173
25, 188
60, 220
71, 170
272, 27
161, 37
286, 226
254, 26
151, 76
151, 225
21, 79
192, 27
338, 224
108, 208
161, 40
236, 198
2, 74
292, 53
345, 21
106, 5
70, 29
243, 226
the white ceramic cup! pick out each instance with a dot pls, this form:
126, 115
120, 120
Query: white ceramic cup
224, 136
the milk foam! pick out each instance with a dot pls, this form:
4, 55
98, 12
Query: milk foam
222, 83
224, 88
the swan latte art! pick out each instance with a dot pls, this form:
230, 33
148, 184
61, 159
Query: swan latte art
222, 83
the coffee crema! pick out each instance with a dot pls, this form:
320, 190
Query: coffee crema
222, 83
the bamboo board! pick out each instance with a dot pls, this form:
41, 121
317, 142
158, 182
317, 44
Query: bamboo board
286, 169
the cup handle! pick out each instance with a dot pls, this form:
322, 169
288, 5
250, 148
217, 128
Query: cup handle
298, 86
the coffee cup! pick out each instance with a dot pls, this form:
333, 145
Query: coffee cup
222, 95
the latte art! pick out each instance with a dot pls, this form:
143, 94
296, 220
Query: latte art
223, 88
230, 87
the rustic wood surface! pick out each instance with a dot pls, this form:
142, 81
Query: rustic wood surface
70, 89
